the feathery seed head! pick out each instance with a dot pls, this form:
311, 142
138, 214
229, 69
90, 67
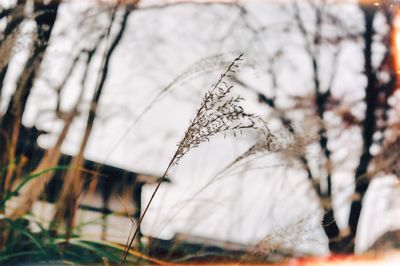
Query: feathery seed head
219, 112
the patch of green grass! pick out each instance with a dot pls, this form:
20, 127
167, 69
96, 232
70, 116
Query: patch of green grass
26, 240
23, 245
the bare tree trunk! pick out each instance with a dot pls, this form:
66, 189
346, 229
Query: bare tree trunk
72, 188
10, 123
52, 156
14, 17
347, 243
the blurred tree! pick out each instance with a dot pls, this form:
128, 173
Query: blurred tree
322, 102
10, 123
14, 135
319, 102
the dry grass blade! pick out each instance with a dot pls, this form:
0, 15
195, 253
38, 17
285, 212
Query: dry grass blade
203, 66
290, 142
219, 112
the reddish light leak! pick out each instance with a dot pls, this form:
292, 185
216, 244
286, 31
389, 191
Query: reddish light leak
396, 41
384, 259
